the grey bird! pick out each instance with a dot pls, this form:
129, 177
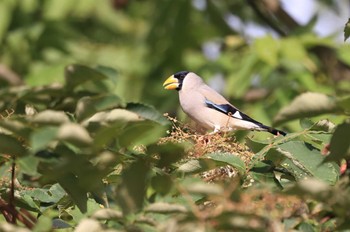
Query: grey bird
210, 109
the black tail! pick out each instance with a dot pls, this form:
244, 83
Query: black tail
275, 131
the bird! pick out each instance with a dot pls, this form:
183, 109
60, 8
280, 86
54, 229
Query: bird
209, 108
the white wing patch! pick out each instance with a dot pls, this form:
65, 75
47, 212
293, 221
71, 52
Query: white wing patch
237, 115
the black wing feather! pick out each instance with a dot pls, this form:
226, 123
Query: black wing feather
232, 111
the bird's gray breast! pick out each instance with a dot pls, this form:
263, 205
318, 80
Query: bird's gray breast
193, 104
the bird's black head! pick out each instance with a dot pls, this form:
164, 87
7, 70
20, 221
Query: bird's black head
180, 76
175, 81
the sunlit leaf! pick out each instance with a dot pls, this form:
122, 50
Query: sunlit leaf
50, 117
75, 134
163, 207
309, 160
307, 105
267, 49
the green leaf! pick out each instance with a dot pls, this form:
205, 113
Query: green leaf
44, 223
88, 106
162, 183
132, 190
347, 30
42, 137
16, 127
163, 207
267, 49
340, 143
70, 184
11, 146
344, 102
147, 112
229, 159
107, 214
168, 153
196, 166
50, 117
307, 105
74, 134
140, 133
77, 75
309, 160
28, 165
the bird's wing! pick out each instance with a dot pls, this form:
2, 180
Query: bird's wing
232, 111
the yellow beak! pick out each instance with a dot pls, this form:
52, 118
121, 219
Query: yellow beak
171, 83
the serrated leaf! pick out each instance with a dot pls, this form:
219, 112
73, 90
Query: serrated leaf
307, 105
147, 112
229, 159
340, 143
309, 160
11, 146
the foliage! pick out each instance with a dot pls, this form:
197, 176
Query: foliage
80, 152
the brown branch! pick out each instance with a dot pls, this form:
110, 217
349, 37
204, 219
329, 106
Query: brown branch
10, 76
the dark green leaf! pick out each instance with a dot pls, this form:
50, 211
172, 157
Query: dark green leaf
11, 146
228, 158
76, 75
147, 112
162, 183
70, 184
88, 106
347, 30
340, 143
168, 153
132, 191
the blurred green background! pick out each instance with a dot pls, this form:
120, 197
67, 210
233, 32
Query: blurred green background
254, 52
